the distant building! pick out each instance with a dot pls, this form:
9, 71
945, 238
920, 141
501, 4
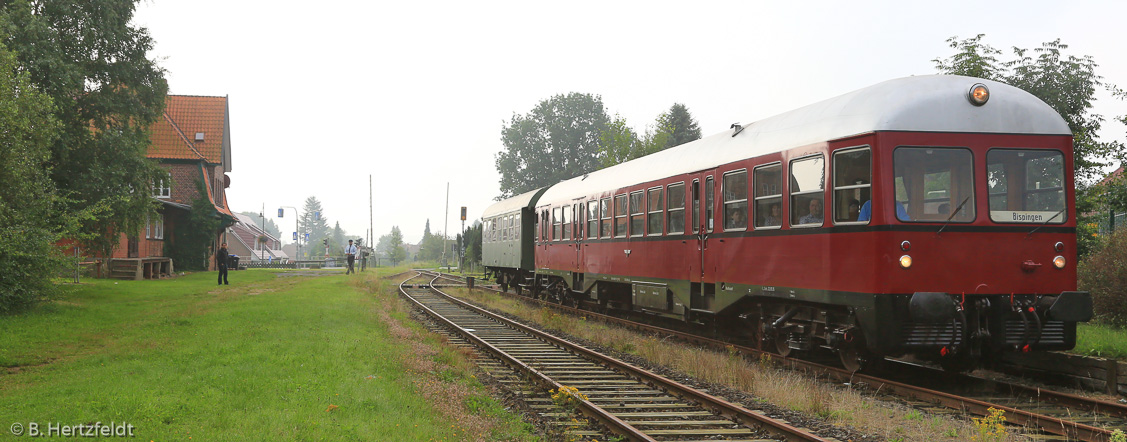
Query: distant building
247, 240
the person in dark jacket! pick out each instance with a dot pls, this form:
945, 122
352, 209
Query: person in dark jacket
221, 261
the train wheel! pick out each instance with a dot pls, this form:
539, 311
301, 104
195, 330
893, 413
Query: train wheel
852, 359
782, 346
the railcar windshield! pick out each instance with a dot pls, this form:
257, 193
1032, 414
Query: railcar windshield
933, 184
1026, 186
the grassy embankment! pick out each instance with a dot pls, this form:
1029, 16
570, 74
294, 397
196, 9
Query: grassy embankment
272, 357
1101, 340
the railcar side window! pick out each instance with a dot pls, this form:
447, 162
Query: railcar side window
592, 219
566, 223
852, 184
709, 201
1026, 186
933, 184
516, 226
769, 196
604, 211
557, 223
676, 219
696, 206
807, 181
655, 207
735, 200
636, 209
620, 215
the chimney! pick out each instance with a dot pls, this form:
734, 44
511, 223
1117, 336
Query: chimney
199, 137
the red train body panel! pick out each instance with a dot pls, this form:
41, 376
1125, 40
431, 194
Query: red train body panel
968, 232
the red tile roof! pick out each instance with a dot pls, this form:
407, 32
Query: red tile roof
173, 137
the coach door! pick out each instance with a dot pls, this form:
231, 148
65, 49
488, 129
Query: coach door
703, 194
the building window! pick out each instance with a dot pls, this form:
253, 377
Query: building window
154, 227
162, 187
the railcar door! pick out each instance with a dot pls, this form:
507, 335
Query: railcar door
702, 215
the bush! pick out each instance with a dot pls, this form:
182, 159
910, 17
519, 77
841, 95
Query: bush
1104, 275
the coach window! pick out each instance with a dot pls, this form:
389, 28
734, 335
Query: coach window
933, 184
709, 201
577, 220
807, 176
546, 223
605, 216
676, 216
566, 221
852, 184
655, 211
620, 216
637, 208
696, 206
769, 196
1026, 186
734, 189
557, 216
516, 226
592, 219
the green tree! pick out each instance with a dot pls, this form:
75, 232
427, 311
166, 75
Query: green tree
190, 246
395, 251
313, 222
620, 143
430, 247
338, 242
556, 140
679, 123
107, 93
973, 59
29, 224
470, 244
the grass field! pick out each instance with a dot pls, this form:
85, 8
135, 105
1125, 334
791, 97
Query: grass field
274, 356
1101, 340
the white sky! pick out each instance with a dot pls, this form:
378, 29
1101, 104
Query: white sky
322, 94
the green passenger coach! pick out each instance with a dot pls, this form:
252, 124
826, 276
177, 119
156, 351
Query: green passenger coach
504, 224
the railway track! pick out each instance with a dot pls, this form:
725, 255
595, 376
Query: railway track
1058, 415
626, 400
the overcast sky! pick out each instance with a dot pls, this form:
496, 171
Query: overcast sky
415, 93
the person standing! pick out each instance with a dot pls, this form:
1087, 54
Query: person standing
221, 261
350, 252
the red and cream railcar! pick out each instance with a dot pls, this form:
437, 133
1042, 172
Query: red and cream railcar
929, 215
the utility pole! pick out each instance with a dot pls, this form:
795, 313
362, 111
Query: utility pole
296, 236
462, 246
445, 224
371, 225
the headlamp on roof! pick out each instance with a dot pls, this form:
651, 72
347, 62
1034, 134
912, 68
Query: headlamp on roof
978, 94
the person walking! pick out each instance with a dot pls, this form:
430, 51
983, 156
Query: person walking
221, 261
350, 252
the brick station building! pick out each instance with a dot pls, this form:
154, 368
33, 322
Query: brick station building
192, 141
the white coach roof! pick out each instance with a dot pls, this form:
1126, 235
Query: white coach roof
930, 103
512, 204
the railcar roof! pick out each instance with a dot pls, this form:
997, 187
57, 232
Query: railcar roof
512, 204
929, 103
